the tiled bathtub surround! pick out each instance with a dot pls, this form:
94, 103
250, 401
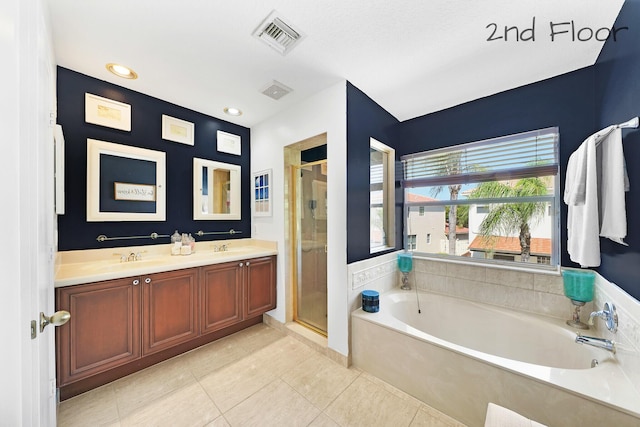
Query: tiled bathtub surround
378, 274
539, 293
627, 338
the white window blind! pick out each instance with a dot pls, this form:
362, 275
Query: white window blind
510, 157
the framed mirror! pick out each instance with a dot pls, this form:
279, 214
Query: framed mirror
216, 190
124, 183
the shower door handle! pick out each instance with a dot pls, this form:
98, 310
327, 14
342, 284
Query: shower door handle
326, 249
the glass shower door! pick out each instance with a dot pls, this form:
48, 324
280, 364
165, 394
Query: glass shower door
311, 250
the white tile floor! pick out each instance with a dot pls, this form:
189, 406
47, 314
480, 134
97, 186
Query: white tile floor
256, 377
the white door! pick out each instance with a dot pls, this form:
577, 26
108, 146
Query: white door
27, 113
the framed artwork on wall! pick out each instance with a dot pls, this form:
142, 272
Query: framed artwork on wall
125, 183
177, 130
261, 194
107, 112
229, 143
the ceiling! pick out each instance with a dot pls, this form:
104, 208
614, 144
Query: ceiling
412, 57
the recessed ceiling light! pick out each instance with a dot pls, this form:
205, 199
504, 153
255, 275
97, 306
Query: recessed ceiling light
232, 111
122, 71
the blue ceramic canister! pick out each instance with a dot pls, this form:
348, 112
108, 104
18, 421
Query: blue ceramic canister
371, 301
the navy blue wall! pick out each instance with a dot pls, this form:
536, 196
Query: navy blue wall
566, 101
618, 100
365, 119
146, 132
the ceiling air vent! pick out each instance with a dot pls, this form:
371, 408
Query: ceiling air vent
276, 90
278, 34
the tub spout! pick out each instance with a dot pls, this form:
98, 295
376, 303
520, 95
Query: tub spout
597, 342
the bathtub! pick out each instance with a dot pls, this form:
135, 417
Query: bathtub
458, 355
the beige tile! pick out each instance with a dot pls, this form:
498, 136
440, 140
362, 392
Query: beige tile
391, 389
277, 404
188, 406
550, 283
235, 382
319, 379
213, 356
219, 422
96, 407
468, 272
256, 337
148, 385
511, 278
323, 420
429, 417
283, 355
365, 403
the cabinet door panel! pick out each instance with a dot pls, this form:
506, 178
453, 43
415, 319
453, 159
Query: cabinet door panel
170, 314
260, 285
104, 329
221, 296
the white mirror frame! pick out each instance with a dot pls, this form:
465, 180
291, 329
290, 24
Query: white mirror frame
234, 190
94, 149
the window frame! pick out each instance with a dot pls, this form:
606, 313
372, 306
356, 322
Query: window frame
388, 196
539, 170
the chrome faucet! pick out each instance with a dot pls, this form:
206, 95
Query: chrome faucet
131, 257
597, 342
608, 314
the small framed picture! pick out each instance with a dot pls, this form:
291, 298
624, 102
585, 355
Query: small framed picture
261, 194
107, 112
229, 143
177, 130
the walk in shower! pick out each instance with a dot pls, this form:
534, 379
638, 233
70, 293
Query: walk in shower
306, 165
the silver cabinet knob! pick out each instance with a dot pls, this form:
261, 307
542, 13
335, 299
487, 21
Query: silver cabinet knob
247, 263
136, 282
147, 280
241, 264
56, 319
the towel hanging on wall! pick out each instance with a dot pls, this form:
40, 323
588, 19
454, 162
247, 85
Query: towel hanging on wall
595, 183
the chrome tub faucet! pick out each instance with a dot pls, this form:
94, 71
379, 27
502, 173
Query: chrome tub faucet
597, 342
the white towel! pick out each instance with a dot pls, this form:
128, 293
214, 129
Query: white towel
595, 183
613, 182
581, 195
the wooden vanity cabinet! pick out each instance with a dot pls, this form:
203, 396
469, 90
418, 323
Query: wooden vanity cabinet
169, 309
104, 329
221, 296
260, 279
236, 291
120, 326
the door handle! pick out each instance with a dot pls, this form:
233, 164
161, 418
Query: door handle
56, 319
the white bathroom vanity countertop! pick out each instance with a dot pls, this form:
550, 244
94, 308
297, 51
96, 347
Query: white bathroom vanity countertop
94, 265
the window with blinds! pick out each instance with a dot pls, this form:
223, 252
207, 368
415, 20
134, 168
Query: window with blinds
495, 199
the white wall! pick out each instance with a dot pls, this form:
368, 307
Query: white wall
325, 112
